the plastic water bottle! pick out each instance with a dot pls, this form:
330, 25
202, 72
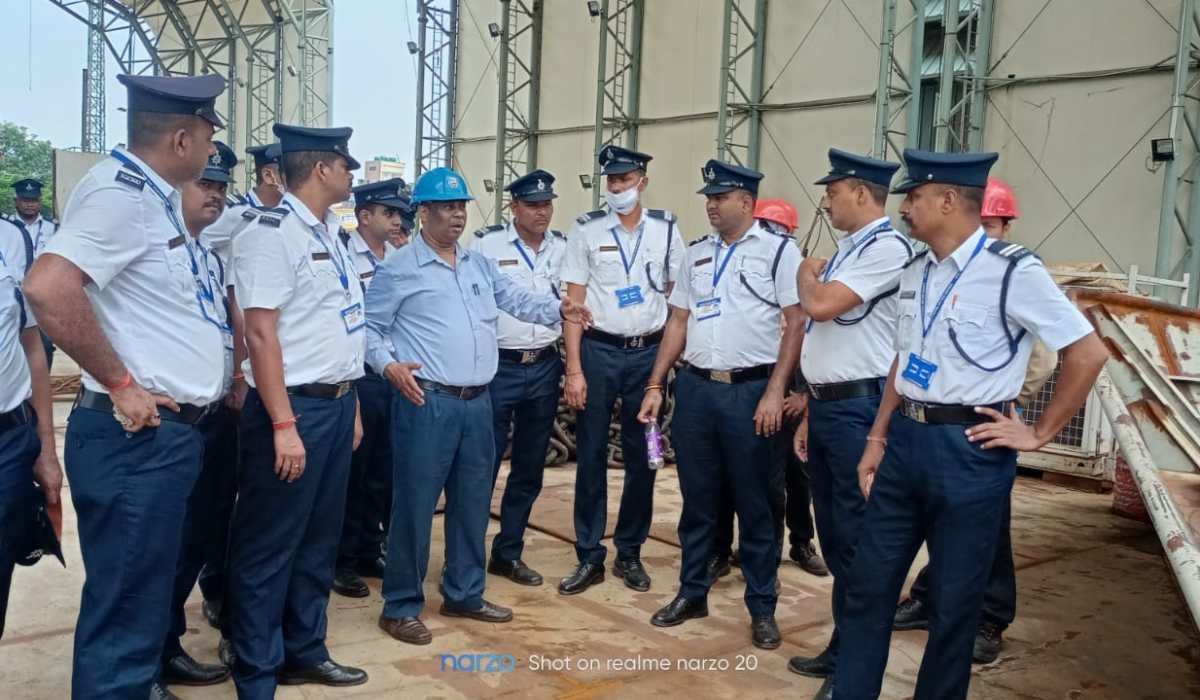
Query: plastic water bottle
654, 445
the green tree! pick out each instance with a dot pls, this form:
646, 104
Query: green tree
22, 155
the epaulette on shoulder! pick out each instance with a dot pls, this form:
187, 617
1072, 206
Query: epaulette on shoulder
698, 241
591, 216
1013, 251
661, 214
489, 229
913, 259
130, 178
250, 214
272, 217
558, 234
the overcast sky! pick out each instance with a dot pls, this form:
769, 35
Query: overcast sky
374, 75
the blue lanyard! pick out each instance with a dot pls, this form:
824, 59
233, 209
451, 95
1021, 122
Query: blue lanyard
834, 263
719, 270
334, 256
529, 262
628, 262
204, 288
927, 327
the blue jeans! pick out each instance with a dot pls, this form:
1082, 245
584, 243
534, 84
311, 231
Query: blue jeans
448, 447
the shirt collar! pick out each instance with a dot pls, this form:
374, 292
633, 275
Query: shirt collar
613, 221
253, 199
301, 209
154, 177
755, 231
514, 237
361, 247
426, 254
857, 237
963, 252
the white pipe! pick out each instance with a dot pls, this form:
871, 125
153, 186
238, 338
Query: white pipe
1173, 531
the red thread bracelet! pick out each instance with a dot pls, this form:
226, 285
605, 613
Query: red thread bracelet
285, 424
125, 381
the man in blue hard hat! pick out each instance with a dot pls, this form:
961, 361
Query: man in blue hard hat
432, 311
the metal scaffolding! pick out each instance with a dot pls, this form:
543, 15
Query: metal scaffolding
1170, 219
739, 113
618, 78
436, 80
519, 88
92, 139
314, 20
966, 38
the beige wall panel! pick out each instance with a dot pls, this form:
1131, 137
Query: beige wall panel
477, 58
567, 156
477, 162
681, 57
569, 52
680, 151
838, 59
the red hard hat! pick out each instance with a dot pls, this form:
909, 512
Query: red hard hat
779, 211
999, 200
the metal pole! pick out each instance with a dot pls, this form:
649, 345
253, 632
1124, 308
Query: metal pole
601, 66
634, 106
754, 140
1166, 213
502, 109
945, 96
451, 71
723, 84
422, 23
916, 59
981, 60
535, 87
883, 87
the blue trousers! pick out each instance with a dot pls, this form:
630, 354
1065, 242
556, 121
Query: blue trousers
130, 492
284, 540
19, 448
525, 398
206, 525
448, 446
936, 487
1000, 596
716, 448
837, 435
612, 373
369, 497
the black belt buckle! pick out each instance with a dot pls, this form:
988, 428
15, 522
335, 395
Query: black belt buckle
915, 411
343, 389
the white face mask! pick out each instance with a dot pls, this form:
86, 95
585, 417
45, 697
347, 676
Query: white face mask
624, 201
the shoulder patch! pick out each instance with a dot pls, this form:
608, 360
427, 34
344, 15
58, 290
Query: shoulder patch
492, 228
698, 241
913, 259
1012, 251
132, 179
558, 234
591, 216
661, 214
273, 217
250, 214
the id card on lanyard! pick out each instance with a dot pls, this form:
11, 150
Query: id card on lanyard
835, 263
352, 314
710, 307
630, 294
917, 369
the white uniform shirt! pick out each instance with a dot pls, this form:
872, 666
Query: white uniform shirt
365, 261
218, 237
294, 262
14, 248
594, 258
40, 232
147, 277
742, 327
15, 384
869, 263
972, 309
537, 270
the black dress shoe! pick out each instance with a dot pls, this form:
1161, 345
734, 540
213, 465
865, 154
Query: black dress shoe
633, 572
988, 641
328, 672
764, 633
911, 614
679, 611
819, 666
515, 571
212, 613
348, 583
225, 652
718, 567
825, 692
487, 613
584, 577
182, 669
158, 691
370, 568
409, 630
806, 558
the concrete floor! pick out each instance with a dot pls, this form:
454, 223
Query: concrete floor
1099, 618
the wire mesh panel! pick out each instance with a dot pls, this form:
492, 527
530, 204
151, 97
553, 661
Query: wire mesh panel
1072, 434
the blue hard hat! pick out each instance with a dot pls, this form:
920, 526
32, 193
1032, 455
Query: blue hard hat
441, 185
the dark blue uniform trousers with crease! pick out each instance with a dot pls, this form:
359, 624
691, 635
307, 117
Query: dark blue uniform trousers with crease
524, 397
19, 448
130, 492
448, 446
206, 525
715, 446
284, 540
369, 497
936, 487
612, 372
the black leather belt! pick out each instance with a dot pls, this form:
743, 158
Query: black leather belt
321, 391
855, 389
188, 413
733, 376
942, 413
634, 342
466, 393
367, 369
529, 357
21, 415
